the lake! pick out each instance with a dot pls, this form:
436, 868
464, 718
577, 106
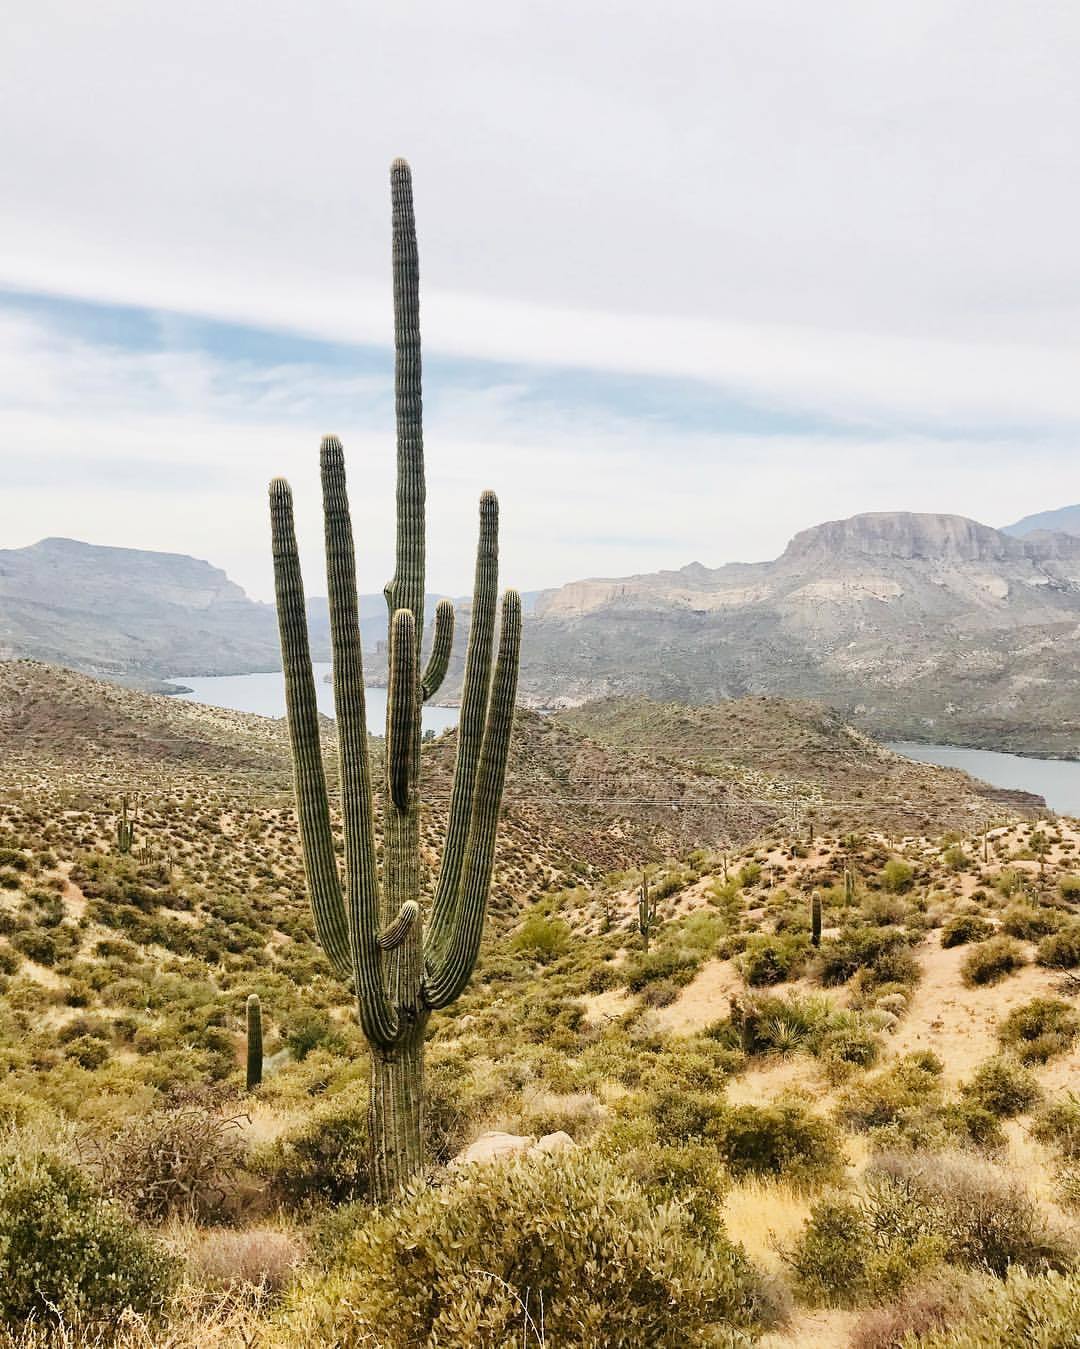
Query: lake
1058, 780
265, 694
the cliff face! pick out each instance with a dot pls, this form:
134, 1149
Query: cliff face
131, 612
931, 626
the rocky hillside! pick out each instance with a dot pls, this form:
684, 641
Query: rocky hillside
123, 611
914, 626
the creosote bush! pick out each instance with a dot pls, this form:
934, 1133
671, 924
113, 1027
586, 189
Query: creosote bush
1003, 1086
1040, 1029
569, 1242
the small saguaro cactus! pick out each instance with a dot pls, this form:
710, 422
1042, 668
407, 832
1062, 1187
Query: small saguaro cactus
371, 927
849, 885
254, 1042
125, 826
815, 919
646, 910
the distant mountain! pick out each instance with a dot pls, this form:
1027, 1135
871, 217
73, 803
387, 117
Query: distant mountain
914, 626
1066, 520
123, 611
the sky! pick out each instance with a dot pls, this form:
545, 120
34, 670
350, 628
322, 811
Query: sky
693, 277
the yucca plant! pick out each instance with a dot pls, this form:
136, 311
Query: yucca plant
371, 927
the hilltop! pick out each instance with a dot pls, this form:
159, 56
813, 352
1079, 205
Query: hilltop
924, 627
1064, 520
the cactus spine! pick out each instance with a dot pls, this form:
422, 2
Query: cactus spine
254, 1042
371, 929
125, 826
646, 910
815, 919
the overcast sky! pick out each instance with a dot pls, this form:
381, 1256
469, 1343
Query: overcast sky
693, 276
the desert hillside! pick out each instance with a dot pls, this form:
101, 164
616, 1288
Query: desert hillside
867, 1129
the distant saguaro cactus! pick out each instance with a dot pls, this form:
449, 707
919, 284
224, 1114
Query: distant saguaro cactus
372, 932
646, 909
254, 1042
125, 826
849, 885
815, 919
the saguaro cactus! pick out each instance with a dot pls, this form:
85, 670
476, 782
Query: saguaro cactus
125, 826
815, 919
646, 909
254, 1042
371, 927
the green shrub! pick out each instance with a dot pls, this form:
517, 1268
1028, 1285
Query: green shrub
897, 875
1002, 1086
671, 963
64, 1251
990, 961
1029, 921
967, 927
1061, 950
882, 952
911, 1083
1040, 1029
474, 1262
325, 1157
783, 1139
773, 960
541, 938
1058, 1123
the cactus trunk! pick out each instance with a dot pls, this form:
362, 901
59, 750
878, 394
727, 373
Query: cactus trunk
815, 919
254, 1042
371, 927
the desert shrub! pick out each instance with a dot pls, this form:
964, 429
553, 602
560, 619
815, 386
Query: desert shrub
985, 1217
897, 875
783, 1139
883, 953
541, 938
749, 874
1029, 921
1040, 1029
672, 963
990, 961
1003, 1086
255, 1257
177, 1163
1008, 882
911, 1083
964, 928
681, 1115
1069, 887
693, 1174
1037, 1312
767, 1023
474, 1262
64, 1251
944, 1298
310, 1030
773, 960
660, 993
1061, 950
323, 1158
1058, 1123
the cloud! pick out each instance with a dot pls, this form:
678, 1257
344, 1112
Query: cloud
171, 448
856, 209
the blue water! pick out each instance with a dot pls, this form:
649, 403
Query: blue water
265, 694
1058, 780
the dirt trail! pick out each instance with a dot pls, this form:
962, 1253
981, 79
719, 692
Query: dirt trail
705, 999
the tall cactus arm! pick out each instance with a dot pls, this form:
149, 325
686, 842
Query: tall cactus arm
377, 1016
402, 709
312, 807
474, 705
406, 590
442, 642
450, 969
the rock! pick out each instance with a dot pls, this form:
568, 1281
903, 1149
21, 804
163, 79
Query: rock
492, 1146
556, 1142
